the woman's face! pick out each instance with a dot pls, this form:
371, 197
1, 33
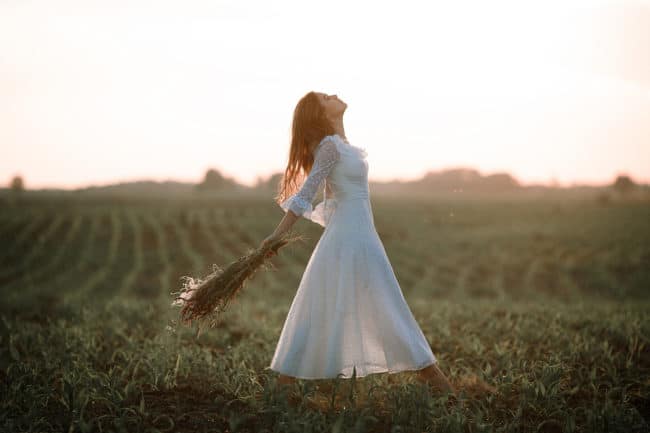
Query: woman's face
333, 106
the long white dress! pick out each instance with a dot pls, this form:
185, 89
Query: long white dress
349, 310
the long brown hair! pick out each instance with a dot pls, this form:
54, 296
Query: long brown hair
309, 127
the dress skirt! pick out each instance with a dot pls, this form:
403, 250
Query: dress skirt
349, 310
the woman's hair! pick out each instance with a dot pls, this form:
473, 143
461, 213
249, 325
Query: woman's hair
309, 127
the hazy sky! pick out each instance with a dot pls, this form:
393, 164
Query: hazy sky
96, 92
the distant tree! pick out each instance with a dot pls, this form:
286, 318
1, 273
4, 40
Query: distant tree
214, 180
17, 184
623, 184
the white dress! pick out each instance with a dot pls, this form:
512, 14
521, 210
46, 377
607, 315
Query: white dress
349, 310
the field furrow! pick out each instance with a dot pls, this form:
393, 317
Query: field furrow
166, 268
219, 255
500, 259
146, 283
102, 283
46, 290
465, 268
183, 226
63, 253
133, 261
181, 263
10, 226
201, 241
89, 258
227, 241
21, 244
38, 255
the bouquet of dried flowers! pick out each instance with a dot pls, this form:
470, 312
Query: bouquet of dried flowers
204, 299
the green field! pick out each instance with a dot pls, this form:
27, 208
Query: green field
538, 311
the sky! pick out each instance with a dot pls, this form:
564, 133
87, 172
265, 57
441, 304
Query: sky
97, 92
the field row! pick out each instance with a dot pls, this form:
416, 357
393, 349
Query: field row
96, 254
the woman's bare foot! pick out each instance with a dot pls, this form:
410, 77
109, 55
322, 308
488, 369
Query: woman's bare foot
436, 378
287, 382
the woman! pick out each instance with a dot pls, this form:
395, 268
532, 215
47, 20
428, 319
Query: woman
349, 310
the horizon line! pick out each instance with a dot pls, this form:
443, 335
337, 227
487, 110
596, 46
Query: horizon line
549, 183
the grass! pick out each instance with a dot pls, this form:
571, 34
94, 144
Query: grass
537, 312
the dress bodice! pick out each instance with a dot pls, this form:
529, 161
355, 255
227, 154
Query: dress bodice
348, 179
343, 169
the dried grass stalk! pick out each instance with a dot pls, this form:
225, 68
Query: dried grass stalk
203, 300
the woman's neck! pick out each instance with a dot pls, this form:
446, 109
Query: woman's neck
337, 123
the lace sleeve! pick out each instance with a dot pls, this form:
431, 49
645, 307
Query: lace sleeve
327, 155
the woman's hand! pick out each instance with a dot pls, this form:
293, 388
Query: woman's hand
285, 225
272, 237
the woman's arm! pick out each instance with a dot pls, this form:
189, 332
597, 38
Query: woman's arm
285, 224
300, 203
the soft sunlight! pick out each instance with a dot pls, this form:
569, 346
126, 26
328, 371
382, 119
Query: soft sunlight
94, 92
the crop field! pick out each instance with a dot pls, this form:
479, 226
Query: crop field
537, 310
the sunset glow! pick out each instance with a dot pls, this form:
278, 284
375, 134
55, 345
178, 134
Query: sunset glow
93, 93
